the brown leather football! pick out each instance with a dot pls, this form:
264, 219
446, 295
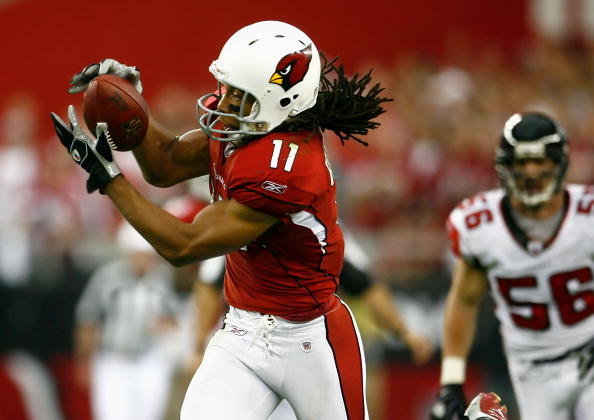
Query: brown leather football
114, 100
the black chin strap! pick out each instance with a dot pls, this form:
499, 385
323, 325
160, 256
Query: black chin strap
517, 232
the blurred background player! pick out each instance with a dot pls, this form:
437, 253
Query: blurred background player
125, 314
274, 216
531, 244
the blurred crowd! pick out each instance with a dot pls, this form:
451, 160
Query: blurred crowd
437, 141
435, 147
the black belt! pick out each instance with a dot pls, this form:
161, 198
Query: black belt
560, 357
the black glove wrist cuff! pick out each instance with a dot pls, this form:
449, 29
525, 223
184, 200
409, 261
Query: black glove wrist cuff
104, 184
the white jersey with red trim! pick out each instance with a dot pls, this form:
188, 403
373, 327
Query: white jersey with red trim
544, 292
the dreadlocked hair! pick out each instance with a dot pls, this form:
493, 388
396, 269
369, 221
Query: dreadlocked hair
342, 106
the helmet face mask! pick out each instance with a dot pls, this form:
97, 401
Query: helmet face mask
532, 188
532, 158
275, 63
239, 121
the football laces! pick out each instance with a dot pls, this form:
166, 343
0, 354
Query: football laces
110, 141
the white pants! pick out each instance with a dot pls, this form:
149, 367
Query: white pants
257, 360
125, 388
283, 411
552, 390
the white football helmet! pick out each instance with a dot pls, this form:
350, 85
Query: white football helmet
275, 63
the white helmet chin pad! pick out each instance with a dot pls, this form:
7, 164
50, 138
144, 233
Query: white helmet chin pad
530, 200
534, 200
274, 62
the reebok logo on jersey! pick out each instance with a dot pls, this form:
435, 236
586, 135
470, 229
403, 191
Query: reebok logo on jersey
237, 331
274, 187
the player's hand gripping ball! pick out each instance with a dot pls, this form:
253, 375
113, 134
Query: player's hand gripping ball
115, 101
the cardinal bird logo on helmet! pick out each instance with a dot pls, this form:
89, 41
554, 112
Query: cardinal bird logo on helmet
292, 68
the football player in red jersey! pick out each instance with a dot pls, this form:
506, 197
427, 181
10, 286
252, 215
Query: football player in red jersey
286, 335
530, 243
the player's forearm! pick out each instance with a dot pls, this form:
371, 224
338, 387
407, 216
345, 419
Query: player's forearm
208, 302
85, 341
469, 286
459, 326
220, 228
166, 159
173, 239
459, 330
379, 300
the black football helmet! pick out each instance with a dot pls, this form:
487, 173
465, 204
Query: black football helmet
531, 135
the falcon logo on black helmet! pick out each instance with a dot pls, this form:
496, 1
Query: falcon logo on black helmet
531, 135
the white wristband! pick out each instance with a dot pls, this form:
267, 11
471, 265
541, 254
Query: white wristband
453, 370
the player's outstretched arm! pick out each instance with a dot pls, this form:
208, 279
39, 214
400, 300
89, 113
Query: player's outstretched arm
218, 229
166, 159
469, 285
379, 300
86, 342
209, 309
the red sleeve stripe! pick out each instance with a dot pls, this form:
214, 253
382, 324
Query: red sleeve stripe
454, 237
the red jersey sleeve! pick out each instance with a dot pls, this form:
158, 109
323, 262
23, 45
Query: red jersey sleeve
454, 237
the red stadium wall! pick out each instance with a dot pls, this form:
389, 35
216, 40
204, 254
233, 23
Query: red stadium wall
45, 42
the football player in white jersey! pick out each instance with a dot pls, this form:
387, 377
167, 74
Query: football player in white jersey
531, 244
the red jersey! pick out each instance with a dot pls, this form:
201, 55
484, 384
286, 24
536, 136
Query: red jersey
292, 269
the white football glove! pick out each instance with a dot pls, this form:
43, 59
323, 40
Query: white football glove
81, 80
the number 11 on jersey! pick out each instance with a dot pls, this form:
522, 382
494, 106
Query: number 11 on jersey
294, 148
278, 144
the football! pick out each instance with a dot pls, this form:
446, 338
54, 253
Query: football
115, 101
